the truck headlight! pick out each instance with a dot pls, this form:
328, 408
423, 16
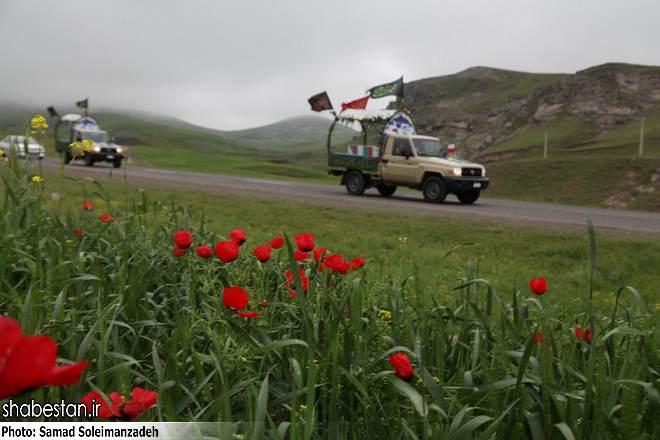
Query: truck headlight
483, 172
458, 171
97, 149
119, 150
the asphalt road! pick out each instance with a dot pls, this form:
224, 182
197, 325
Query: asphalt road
409, 202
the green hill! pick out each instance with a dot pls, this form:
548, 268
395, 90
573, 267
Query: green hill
303, 133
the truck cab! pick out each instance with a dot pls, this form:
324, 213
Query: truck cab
422, 162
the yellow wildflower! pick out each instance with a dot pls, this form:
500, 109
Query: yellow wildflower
78, 148
37, 179
69, 241
385, 315
303, 408
38, 124
420, 381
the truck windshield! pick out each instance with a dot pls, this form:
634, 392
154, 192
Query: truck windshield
429, 147
96, 136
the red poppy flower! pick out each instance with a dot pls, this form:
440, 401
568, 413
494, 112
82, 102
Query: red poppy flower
126, 410
538, 286
277, 242
301, 256
402, 366
78, 232
262, 304
107, 218
87, 206
304, 281
182, 239
335, 262
227, 251
586, 335
204, 252
28, 362
235, 298
262, 253
178, 252
291, 282
539, 338
305, 242
356, 262
247, 314
289, 275
320, 253
238, 236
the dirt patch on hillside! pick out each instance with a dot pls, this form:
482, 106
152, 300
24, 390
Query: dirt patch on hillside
634, 186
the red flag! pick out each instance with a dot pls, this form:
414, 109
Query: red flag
358, 103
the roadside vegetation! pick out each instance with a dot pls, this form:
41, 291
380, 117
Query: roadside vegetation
107, 272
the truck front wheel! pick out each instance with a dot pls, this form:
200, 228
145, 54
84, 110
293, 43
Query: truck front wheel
386, 190
355, 183
469, 197
116, 163
434, 190
89, 160
67, 157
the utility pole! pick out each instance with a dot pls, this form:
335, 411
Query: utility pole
545, 146
641, 137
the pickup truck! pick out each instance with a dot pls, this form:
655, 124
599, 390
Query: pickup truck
410, 160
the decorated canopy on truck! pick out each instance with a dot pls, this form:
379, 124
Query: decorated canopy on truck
86, 123
400, 123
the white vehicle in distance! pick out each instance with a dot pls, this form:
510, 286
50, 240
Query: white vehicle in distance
17, 143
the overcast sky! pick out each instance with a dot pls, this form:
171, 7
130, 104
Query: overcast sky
239, 64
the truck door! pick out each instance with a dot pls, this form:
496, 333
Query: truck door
398, 161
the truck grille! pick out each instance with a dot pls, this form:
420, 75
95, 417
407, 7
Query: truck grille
471, 172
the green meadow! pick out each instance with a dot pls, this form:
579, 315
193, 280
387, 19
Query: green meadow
490, 359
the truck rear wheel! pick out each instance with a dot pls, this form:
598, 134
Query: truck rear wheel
386, 190
355, 183
469, 197
434, 190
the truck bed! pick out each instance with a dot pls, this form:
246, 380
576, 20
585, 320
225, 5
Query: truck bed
340, 162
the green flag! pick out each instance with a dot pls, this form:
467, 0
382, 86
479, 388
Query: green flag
394, 88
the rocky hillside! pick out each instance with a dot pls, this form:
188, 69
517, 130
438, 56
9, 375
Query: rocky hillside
482, 107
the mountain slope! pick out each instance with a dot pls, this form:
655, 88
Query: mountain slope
485, 109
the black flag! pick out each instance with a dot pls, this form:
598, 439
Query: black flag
82, 104
320, 102
394, 88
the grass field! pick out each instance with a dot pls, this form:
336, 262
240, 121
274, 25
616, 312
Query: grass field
489, 358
